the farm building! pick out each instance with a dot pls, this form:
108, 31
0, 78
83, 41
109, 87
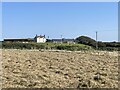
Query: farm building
38, 39
56, 40
63, 41
25, 40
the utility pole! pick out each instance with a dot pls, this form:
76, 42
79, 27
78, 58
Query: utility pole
61, 38
96, 40
48, 37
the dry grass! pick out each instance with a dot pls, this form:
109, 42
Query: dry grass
59, 69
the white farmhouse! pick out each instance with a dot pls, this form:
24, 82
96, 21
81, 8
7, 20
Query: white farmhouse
40, 39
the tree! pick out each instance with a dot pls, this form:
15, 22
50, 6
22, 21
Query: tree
86, 40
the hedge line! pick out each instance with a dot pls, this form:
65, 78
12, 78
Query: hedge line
71, 47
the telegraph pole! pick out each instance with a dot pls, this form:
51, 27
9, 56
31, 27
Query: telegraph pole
96, 40
48, 37
61, 38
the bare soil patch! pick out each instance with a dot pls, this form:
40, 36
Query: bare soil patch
59, 69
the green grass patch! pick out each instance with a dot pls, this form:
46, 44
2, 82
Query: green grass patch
47, 45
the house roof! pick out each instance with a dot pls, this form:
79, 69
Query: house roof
56, 40
19, 39
68, 40
40, 36
64, 40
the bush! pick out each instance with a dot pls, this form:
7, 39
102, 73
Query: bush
110, 46
71, 47
86, 40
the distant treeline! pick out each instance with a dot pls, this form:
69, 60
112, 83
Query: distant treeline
101, 45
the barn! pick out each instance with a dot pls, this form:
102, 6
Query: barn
38, 39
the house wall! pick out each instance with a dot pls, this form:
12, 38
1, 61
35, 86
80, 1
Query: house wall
70, 42
57, 41
41, 40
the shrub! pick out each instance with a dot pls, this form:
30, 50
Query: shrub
86, 40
